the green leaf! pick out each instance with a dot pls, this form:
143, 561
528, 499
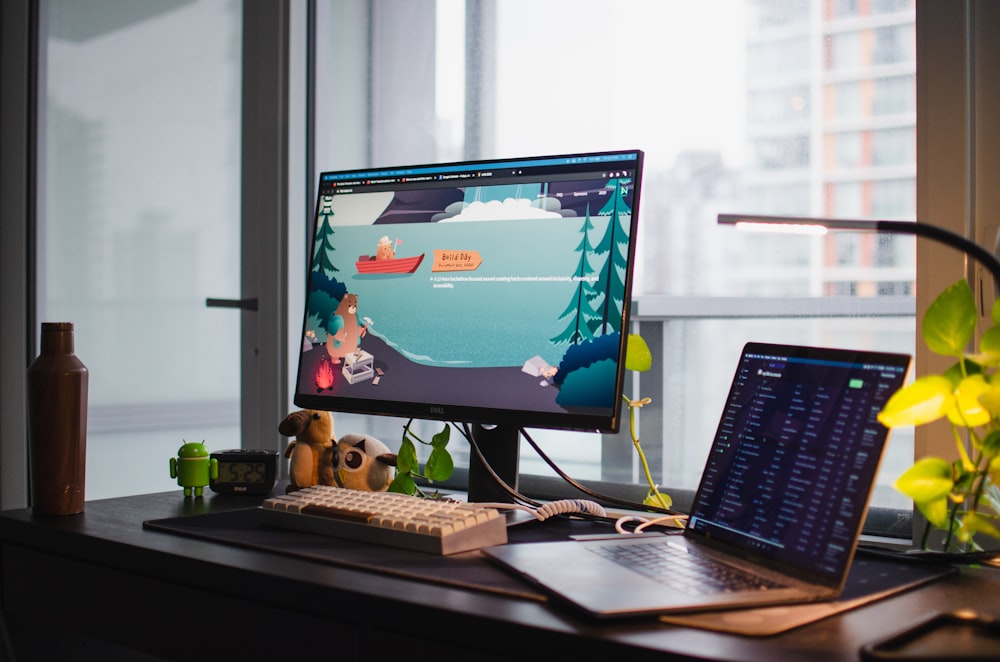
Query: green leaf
927, 481
440, 440
991, 444
950, 320
637, 354
439, 465
926, 399
406, 458
961, 370
403, 484
995, 312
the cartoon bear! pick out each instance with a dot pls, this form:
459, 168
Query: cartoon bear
345, 333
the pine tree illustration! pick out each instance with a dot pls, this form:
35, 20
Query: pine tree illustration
614, 243
324, 238
582, 317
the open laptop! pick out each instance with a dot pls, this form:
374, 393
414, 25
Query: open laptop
781, 501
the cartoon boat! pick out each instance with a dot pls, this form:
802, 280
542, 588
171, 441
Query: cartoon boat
367, 264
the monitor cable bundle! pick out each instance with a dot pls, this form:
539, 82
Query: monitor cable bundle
579, 507
541, 511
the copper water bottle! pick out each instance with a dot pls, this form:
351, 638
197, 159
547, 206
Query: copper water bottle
57, 424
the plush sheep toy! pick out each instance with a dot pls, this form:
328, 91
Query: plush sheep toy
310, 453
364, 463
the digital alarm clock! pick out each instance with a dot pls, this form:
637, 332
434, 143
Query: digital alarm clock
245, 471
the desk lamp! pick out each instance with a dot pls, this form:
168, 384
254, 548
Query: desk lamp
805, 225
819, 226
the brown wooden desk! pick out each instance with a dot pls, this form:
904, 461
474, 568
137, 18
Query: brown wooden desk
74, 585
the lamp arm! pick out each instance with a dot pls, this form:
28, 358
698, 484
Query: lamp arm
957, 241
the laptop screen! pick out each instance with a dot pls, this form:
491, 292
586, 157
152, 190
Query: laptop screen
794, 459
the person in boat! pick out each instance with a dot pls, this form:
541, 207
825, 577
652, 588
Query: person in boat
385, 250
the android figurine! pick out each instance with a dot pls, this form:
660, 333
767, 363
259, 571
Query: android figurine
193, 468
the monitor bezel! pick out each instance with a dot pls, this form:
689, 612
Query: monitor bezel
569, 420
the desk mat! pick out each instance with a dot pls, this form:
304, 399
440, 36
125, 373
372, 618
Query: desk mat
468, 570
870, 579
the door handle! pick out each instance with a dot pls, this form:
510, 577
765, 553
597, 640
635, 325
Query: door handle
242, 304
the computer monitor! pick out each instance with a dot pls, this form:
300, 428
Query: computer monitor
494, 293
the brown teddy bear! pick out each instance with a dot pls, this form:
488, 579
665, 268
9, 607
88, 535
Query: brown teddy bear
310, 453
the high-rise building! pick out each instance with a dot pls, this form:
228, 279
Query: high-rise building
831, 126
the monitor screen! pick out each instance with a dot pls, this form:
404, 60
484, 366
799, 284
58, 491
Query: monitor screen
493, 292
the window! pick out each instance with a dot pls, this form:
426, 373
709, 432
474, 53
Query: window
894, 147
893, 95
844, 51
140, 222
847, 99
780, 105
725, 118
848, 153
777, 56
848, 200
893, 45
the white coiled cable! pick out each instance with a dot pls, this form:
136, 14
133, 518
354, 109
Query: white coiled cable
553, 508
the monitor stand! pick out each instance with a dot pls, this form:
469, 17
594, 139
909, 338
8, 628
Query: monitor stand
500, 446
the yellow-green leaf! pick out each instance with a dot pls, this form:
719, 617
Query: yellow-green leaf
637, 354
989, 348
967, 410
974, 523
936, 512
927, 399
990, 399
928, 480
950, 320
658, 500
995, 312
994, 470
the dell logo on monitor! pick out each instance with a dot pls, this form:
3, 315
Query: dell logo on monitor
437, 410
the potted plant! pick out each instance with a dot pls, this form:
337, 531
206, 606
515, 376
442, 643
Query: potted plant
958, 496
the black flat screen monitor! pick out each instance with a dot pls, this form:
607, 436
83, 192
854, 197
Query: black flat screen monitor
487, 292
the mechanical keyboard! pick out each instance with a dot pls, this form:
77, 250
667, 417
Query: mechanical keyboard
387, 518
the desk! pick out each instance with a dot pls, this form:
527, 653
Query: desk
100, 577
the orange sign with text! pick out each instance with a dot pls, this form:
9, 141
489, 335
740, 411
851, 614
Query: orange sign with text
448, 260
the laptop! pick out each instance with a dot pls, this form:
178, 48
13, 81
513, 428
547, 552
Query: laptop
779, 507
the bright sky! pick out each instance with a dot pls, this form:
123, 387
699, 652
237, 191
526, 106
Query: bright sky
575, 75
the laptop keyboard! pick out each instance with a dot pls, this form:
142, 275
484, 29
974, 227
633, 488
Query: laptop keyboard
686, 570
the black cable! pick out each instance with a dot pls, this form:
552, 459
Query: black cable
467, 433
586, 490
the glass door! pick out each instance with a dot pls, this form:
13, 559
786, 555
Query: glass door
139, 222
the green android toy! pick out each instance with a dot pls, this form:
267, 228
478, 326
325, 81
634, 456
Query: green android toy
193, 468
